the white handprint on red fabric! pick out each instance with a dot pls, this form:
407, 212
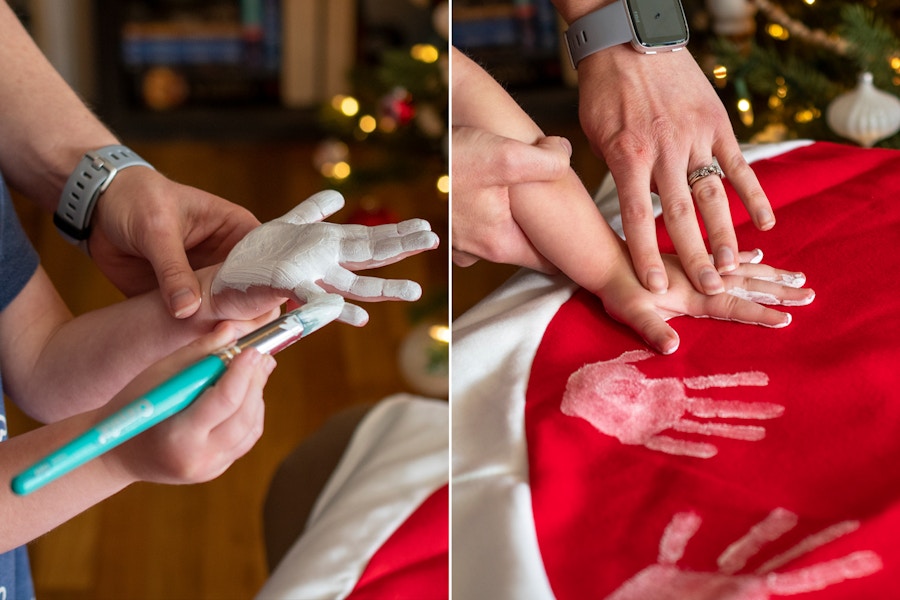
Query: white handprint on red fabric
666, 581
620, 401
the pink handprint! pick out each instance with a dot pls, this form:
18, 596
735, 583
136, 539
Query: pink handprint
620, 401
666, 581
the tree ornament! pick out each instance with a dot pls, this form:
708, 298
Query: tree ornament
398, 105
864, 114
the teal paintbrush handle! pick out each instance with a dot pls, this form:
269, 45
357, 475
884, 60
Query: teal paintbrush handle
162, 402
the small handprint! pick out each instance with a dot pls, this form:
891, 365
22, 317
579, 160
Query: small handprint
666, 581
305, 257
620, 401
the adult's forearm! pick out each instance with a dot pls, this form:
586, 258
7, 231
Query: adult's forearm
45, 128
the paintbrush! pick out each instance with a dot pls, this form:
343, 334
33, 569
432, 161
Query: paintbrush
175, 394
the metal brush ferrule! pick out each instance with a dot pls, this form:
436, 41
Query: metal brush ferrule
268, 339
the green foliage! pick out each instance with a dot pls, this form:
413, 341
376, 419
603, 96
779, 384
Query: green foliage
807, 76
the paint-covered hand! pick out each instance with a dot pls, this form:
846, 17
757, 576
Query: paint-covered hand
748, 289
303, 257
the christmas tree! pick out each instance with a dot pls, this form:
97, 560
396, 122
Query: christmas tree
806, 69
392, 124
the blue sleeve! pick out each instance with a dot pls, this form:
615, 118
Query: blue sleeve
18, 258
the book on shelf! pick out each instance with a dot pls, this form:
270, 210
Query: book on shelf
518, 42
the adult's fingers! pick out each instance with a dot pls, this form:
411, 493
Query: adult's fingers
639, 226
681, 223
745, 183
712, 202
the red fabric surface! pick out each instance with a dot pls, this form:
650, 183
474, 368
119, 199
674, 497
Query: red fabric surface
413, 564
602, 506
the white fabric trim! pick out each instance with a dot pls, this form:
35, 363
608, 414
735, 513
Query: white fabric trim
397, 457
494, 546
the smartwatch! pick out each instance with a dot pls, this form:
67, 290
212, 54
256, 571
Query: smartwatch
90, 178
650, 26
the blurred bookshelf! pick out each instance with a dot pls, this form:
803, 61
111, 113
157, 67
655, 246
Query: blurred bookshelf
222, 68
519, 43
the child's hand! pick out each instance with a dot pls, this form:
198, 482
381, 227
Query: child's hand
301, 257
747, 289
202, 441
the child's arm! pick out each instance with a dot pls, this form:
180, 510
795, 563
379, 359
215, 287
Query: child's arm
55, 366
194, 446
562, 222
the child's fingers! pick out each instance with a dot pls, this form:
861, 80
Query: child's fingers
733, 308
766, 273
221, 336
240, 431
768, 292
658, 334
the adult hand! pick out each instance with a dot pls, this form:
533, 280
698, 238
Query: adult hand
484, 167
150, 231
306, 258
655, 119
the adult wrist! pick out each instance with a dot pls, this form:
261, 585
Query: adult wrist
648, 27
92, 176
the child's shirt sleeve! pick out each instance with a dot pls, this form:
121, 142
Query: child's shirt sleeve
18, 258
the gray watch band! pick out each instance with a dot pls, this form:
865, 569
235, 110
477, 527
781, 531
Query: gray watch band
605, 27
91, 177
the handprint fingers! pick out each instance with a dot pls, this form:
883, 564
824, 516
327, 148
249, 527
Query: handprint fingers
766, 273
315, 208
307, 291
731, 307
358, 287
354, 315
768, 292
387, 244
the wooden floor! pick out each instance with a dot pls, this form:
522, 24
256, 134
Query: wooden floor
205, 541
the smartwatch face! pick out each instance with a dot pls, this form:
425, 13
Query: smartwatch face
658, 24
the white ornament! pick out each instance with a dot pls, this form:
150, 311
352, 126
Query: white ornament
865, 114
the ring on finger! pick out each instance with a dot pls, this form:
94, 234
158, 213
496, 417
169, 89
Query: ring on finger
712, 169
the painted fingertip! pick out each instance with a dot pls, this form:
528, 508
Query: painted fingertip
670, 346
795, 280
787, 321
803, 301
757, 256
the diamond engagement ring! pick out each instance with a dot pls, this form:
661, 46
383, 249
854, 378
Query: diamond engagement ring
702, 172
